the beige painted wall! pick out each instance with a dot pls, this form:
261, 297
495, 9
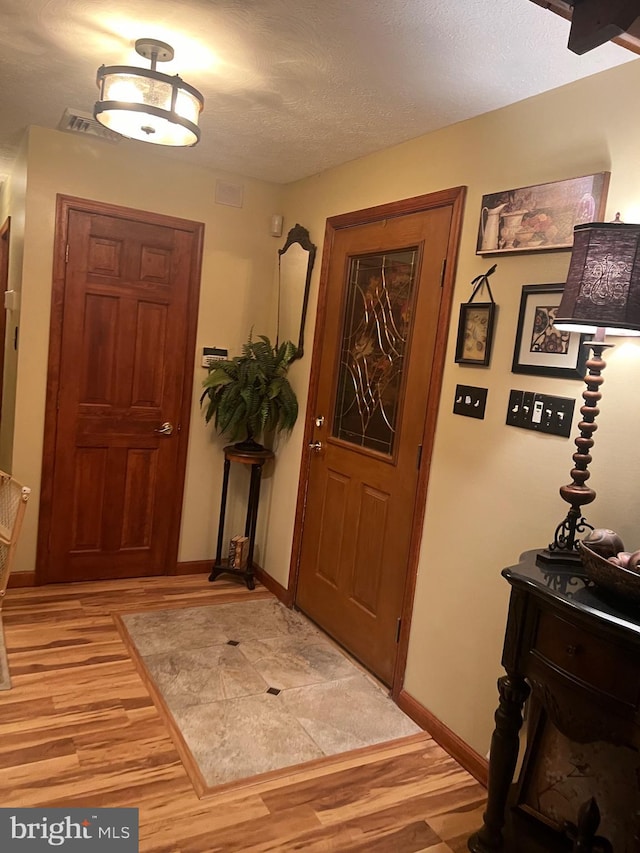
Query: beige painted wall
12, 203
236, 293
493, 490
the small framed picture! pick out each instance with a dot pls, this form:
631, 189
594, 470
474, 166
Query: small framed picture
540, 348
475, 333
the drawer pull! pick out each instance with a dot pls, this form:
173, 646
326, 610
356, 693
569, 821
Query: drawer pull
572, 650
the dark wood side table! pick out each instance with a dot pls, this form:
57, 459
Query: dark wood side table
577, 651
256, 459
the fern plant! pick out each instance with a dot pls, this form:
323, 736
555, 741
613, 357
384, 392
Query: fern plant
250, 395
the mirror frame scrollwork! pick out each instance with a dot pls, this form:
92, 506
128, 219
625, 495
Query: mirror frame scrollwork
298, 234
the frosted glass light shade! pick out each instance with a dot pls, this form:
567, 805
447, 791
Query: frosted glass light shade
145, 104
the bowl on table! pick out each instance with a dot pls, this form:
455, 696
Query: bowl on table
622, 581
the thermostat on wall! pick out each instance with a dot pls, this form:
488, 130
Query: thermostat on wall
212, 354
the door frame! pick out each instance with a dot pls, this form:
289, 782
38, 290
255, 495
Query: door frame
5, 237
455, 198
64, 205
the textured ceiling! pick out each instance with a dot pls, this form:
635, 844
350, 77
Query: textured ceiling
291, 87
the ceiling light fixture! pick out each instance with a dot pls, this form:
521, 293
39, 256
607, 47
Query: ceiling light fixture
145, 104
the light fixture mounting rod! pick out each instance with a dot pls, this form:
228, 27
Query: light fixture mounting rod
154, 51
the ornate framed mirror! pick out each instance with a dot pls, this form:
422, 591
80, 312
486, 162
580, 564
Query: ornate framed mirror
295, 264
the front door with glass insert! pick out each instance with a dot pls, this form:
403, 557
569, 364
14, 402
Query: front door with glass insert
383, 300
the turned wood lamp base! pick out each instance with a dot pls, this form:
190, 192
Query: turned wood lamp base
563, 549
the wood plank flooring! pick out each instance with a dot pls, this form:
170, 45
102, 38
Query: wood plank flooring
79, 727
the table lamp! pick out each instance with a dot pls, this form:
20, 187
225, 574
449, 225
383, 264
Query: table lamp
602, 297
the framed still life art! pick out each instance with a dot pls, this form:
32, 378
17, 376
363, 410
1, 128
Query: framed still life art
540, 348
540, 218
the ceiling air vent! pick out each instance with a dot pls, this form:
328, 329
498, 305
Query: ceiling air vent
76, 121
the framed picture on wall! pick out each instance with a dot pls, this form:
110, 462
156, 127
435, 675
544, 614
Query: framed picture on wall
475, 325
541, 217
475, 333
540, 348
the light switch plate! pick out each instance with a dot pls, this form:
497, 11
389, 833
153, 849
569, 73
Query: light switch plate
540, 412
470, 401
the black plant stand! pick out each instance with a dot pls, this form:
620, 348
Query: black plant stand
256, 459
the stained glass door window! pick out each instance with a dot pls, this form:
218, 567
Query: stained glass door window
377, 321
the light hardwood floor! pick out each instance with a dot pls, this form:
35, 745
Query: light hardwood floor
79, 727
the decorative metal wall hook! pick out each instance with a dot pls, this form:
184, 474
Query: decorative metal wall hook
479, 281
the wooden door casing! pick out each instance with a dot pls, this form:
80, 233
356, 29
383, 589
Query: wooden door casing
357, 509
124, 312
5, 233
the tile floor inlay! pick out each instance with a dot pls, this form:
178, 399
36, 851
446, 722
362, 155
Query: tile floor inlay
255, 687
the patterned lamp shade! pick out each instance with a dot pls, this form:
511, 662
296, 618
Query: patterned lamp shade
603, 284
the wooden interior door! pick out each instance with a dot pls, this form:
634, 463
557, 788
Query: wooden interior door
375, 383
121, 369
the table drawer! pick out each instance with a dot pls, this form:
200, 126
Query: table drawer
593, 660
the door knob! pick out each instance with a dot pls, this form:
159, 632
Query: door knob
165, 429
316, 446
320, 421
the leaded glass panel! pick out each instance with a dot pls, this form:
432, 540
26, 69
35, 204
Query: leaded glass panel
379, 303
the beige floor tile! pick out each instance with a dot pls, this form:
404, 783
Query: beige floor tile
347, 714
290, 661
238, 738
204, 675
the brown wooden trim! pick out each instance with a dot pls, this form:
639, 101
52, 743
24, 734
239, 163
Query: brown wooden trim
314, 378
53, 381
190, 765
5, 237
465, 755
191, 567
188, 360
318, 767
416, 204
564, 8
64, 205
18, 580
454, 197
282, 593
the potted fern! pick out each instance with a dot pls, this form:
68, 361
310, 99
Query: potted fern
250, 395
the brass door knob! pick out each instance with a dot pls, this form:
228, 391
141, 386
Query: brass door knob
165, 429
